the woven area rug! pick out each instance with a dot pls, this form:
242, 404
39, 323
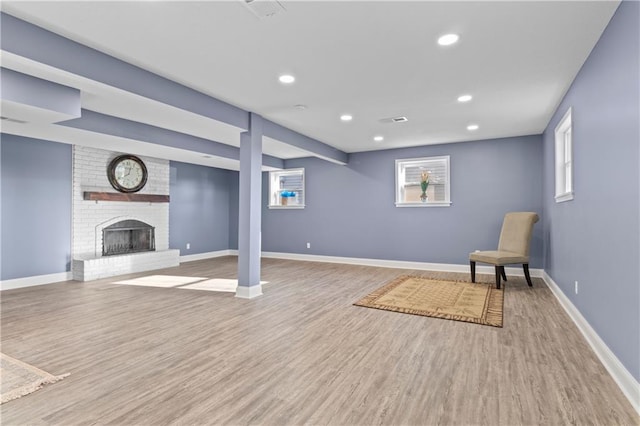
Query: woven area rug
454, 300
18, 379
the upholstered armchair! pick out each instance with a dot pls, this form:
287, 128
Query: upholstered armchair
513, 247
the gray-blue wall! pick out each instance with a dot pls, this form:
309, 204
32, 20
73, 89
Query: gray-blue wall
350, 210
35, 188
199, 209
234, 208
595, 238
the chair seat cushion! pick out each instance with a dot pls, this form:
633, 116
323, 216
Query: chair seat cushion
499, 258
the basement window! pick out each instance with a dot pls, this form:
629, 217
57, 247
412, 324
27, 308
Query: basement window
423, 182
286, 189
564, 159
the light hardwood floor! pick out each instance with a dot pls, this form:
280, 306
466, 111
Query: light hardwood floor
300, 354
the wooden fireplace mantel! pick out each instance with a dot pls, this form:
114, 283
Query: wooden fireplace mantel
119, 196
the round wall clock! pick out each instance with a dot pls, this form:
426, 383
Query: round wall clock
127, 173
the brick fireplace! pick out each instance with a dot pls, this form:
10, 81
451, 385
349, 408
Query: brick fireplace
91, 218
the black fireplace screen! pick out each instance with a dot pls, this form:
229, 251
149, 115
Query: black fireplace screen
128, 236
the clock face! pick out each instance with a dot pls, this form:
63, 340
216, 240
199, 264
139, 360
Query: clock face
127, 173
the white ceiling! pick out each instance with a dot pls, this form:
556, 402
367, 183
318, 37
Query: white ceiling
371, 59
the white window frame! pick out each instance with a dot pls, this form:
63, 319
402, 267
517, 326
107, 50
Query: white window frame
401, 164
275, 189
564, 158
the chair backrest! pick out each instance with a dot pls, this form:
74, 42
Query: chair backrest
516, 232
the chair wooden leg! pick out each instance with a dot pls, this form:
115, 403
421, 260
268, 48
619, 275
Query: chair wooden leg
525, 266
498, 276
504, 275
473, 271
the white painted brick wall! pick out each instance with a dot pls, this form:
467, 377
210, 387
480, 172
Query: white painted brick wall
89, 217
109, 266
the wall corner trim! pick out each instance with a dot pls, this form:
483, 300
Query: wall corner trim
623, 378
35, 280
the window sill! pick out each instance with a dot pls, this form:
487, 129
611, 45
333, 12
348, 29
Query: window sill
564, 197
427, 204
279, 207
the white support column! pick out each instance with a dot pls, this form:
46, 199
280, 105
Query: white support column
250, 210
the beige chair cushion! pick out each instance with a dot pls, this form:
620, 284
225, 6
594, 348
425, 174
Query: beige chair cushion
515, 239
498, 258
517, 228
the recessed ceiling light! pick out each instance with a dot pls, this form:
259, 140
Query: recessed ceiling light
448, 39
465, 98
473, 127
346, 117
300, 106
286, 79
378, 138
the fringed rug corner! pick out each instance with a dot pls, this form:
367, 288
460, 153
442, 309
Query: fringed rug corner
18, 378
455, 300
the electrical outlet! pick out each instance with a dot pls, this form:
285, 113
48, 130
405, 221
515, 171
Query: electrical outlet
188, 246
308, 245
576, 284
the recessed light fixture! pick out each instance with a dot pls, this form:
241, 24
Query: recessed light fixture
286, 79
464, 98
346, 117
300, 106
448, 39
473, 127
378, 138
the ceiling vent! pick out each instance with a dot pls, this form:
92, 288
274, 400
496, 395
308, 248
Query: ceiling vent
394, 120
264, 8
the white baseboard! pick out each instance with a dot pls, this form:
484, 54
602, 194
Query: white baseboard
399, 264
35, 280
208, 255
249, 292
627, 383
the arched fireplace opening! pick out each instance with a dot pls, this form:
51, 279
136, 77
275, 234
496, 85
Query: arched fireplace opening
128, 236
